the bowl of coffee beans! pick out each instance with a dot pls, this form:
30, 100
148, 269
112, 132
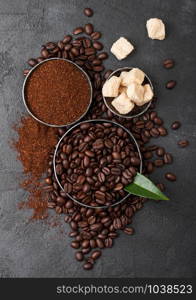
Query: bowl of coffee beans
93, 162
57, 92
128, 92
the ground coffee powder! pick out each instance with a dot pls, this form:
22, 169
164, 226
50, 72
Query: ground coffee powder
57, 92
34, 144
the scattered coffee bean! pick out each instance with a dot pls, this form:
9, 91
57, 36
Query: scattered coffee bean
96, 35
170, 176
170, 84
88, 28
175, 125
78, 30
129, 230
168, 159
88, 12
87, 266
183, 143
168, 63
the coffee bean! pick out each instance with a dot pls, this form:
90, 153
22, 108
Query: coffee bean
102, 56
100, 243
25, 72
160, 151
175, 125
129, 230
79, 256
96, 35
168, 159
162, 131
183, 143
89, 51
88, 28
158, 163
98, 45
171, 84
75, 244
161, 186
96, 254
78, 30
32, 62
67, 39
168, 63
87, 266
108, 242
96, 62
170, 176
88, 12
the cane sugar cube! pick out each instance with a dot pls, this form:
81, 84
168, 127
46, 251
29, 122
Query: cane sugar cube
123, 104
136, 93
135, 75
156, 29
148, 93
122, 89
111, 87
122, 48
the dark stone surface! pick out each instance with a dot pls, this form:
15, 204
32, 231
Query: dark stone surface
164, 244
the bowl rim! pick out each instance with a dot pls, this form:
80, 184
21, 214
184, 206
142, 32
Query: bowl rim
95, 121
126, 116
29, 74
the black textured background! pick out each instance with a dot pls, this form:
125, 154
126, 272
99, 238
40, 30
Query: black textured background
164, 244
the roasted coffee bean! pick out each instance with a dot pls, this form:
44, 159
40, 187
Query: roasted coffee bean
175, 125
162, 131
67, 39
170, 176
96, 35
96, 254
161, 186
171, 84
75, 244
32, 62
78, 30
108, 242
87, 266
25, 72
89, 51
98, 68
86, 250
85, 244
159, 163
183, 143
154, 132
160, 151
102, 56
98, 45
168, 63
96, 62
79, 256
100, 243
88, 12
168, 159
129, 230
88, 28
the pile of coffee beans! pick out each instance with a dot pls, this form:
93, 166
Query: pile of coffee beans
95, 229
95, 162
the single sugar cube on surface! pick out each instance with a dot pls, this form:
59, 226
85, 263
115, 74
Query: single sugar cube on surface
148, 93
121, 48
136, 93
135, 75
123, 104
111, 87
156, 29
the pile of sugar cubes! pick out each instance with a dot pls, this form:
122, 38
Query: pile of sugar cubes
127, 90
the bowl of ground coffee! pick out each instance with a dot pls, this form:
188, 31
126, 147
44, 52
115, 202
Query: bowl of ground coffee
57, 92
93, 162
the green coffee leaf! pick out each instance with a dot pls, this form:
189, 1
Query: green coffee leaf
144, 187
